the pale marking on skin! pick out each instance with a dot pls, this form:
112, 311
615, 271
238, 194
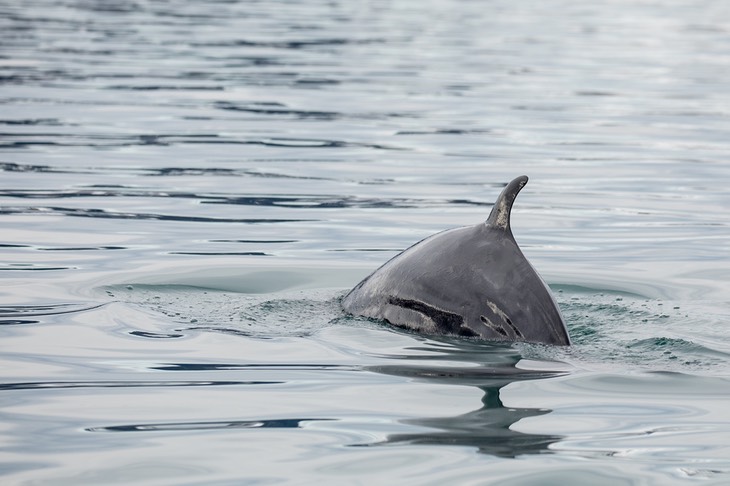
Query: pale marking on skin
499, 312
493, 307
490, 325
502, 215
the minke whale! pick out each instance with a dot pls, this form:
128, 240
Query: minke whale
470, 281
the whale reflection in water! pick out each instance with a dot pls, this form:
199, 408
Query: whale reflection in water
488, 428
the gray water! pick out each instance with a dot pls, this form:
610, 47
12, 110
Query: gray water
189, 188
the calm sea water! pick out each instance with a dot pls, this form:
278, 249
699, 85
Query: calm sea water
189, 188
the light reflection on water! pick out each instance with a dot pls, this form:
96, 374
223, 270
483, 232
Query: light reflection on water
188, 189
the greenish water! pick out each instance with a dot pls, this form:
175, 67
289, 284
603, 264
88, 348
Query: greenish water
187, 190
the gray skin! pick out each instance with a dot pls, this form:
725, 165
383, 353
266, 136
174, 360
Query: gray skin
469, 281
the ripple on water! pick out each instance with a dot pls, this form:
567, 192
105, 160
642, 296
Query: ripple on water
20, 314
608, 328
263, 316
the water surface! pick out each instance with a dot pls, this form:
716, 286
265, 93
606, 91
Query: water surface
188, 189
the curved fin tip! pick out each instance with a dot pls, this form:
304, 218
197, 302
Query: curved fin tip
500, 215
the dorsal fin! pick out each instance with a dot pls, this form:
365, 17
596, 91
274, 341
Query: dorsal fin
499, 217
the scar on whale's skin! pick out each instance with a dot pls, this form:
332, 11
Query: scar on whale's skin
470, 281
